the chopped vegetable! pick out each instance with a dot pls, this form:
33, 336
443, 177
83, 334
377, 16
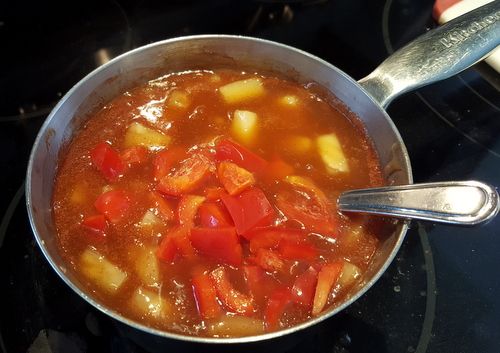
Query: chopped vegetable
101, 271
304, 287
96, 226
234, 178
214, 214
276, 306
277, 170
139, 135
79, 193
249, 209
244, 126
269, 260
113, 204
297, 144
148, 303
107, 161
187, 177
331, 153
146, 266
350, 274
178, 99
270, 237
134, 155
241, 91
235, 326
165, 160
205, 296
227, 150
214, 193
218, 243
289, 100
188, 208
164, 209
149, 219
328, 275
293, 251
175, 243
232, 299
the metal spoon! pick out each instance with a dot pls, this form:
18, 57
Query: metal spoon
453, 202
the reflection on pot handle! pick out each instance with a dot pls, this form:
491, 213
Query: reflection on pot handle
436, 55
454, 202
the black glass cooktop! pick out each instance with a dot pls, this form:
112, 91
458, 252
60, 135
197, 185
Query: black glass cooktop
441, 294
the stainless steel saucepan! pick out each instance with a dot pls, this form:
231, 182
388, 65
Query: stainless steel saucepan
436, 55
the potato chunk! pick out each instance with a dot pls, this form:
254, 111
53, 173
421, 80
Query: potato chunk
101, 271
140, 135
350, 274
146, 266
149, 219
244, 126
145, 302
331, 153
231, 326
289, 100
243, 90
178, 99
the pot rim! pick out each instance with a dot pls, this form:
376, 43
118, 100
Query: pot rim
184, 337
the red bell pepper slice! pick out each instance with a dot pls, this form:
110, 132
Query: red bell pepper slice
113, 204
96, 226
166, 159
190, 174
107, 161
214, 193
327, 277
214, 214
275, 308
259, 282
293, 251
269, 260
230, 297
304, 287
218, 243
234, 178
205, 296
188, 208
175, 242
249, 209
228, 150
134, 155
165, 209
270, 237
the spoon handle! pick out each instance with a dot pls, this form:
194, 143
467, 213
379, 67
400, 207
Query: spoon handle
454, 202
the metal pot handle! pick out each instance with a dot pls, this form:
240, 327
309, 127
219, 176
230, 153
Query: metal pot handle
436, 55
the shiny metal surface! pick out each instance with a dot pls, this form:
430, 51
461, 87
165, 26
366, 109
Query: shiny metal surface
203, 52
458, 202
436, 55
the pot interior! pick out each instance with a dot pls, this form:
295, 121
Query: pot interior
202, 52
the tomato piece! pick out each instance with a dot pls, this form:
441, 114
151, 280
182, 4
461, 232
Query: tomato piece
134, 155
234, 178
276, 170
167, 250
307, 205
188, 208
113, 204
304, 287
230, 297
96, 226
214, 193
190, 174
327, 276
218, 243
249, 209
166, 159
175, 242
275, 308
205, 296
228, 150
214, 214
270, 237
108, 161
165, 209
293, 251
269, 260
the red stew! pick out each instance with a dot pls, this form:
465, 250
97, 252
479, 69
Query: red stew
203, 203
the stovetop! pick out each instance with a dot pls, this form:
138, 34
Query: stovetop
441, 294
